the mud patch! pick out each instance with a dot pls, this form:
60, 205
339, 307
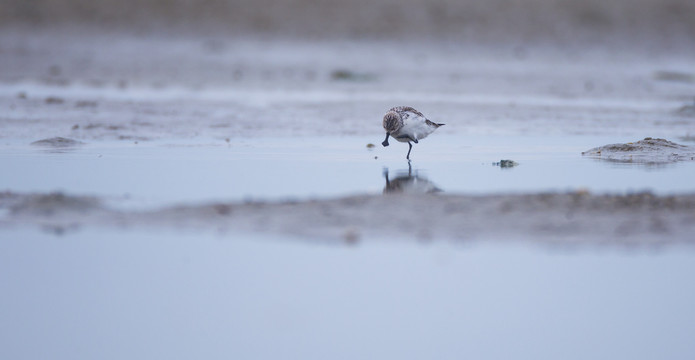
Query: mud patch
560, 218
647, 151
48, 205
53, 100
675, 76
103, 126
57, 142
86, 104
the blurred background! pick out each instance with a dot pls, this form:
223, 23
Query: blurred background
484, 59
668, 23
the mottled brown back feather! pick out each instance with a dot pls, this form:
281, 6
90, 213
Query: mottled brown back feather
400, 109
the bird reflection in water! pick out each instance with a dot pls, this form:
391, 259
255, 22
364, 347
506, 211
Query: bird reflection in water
406, 182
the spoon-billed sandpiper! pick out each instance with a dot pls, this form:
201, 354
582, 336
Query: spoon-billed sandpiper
406, 124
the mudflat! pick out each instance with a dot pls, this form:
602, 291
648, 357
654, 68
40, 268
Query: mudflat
69, 89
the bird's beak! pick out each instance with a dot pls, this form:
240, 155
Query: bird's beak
386, 141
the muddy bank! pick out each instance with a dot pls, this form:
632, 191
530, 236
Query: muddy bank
566, 218
57, 142
647, 151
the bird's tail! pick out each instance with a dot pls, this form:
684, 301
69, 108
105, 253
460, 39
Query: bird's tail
431, 123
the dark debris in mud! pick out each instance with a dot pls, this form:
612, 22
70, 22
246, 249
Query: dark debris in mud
505, 164
349, 75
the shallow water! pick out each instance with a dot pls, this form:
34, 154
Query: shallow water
97, 294
161, 173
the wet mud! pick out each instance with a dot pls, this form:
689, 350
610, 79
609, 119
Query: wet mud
58, 142
582, 218
646, 151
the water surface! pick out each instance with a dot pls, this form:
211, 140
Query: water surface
163, 173
136, 295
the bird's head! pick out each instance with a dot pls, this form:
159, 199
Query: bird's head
392, 122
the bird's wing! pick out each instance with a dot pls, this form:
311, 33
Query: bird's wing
403, 109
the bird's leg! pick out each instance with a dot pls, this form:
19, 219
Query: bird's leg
410, 147
386, 141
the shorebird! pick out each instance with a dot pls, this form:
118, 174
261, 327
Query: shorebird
406, 124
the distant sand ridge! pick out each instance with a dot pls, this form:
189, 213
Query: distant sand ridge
513, 20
